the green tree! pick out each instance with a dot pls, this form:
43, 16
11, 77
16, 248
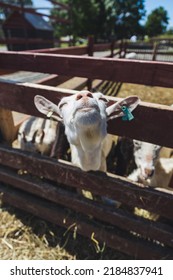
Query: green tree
88, 17
101, 18
157, 22
127, 15
169, 31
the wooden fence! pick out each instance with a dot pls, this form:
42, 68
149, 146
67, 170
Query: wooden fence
54, 197
159, 50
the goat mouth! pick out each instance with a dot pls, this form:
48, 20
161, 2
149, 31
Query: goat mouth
87, 109
146, 176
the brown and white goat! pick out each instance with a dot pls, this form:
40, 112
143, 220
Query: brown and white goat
154, 164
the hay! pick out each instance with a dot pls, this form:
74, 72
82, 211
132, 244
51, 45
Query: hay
26, 237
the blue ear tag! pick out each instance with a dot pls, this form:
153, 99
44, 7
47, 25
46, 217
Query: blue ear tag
127, 114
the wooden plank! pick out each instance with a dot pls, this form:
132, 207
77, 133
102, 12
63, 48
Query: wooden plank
15, 95
138, 45
90, 52
126, 243
19, 97
69, 50
102, 47
116, 217
112, 186
17, 40
52, 80
5, 72
150, 52
112, 47
120, 70
62, 5
7, 125
117, 53
144, 129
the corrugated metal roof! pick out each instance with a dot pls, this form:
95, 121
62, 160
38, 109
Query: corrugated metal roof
38, 22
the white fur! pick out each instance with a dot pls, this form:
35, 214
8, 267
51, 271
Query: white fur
154, 165
85, 118
145, 155
163, 173
37, 135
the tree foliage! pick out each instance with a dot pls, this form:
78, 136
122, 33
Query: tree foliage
87, 17
157, 22
127, 17
102, 18
109, 18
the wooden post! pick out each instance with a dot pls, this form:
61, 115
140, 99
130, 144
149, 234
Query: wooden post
6, 125
112, 48
121, 55
154, 51
90, 53
90, 45
124, 49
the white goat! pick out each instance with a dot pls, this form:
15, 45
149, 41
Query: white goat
154, 165
163, 173
85, 117
37, 135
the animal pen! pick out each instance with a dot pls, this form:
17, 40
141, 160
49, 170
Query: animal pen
48, 188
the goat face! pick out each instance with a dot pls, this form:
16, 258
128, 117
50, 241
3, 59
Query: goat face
37, 135
83, 108
146, 155
85, 118
84, 114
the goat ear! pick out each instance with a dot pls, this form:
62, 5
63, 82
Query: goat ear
47, 107
116, 110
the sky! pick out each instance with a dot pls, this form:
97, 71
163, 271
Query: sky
150, 5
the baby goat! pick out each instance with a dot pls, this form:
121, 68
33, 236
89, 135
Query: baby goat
85, 117
154, 165
37, 135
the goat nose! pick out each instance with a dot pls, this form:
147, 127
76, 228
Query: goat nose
149, 172
84, 95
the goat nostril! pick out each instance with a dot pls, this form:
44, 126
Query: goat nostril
84, 95
149, 172
89, 94
78, 96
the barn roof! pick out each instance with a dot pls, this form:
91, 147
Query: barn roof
38, 22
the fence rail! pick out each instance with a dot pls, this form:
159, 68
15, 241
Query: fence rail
15, 96
137, 72
58, 191
116, 188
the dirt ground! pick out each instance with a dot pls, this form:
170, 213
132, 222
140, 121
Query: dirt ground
148, 94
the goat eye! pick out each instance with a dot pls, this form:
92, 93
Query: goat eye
103, 99
136, 144
62, 104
